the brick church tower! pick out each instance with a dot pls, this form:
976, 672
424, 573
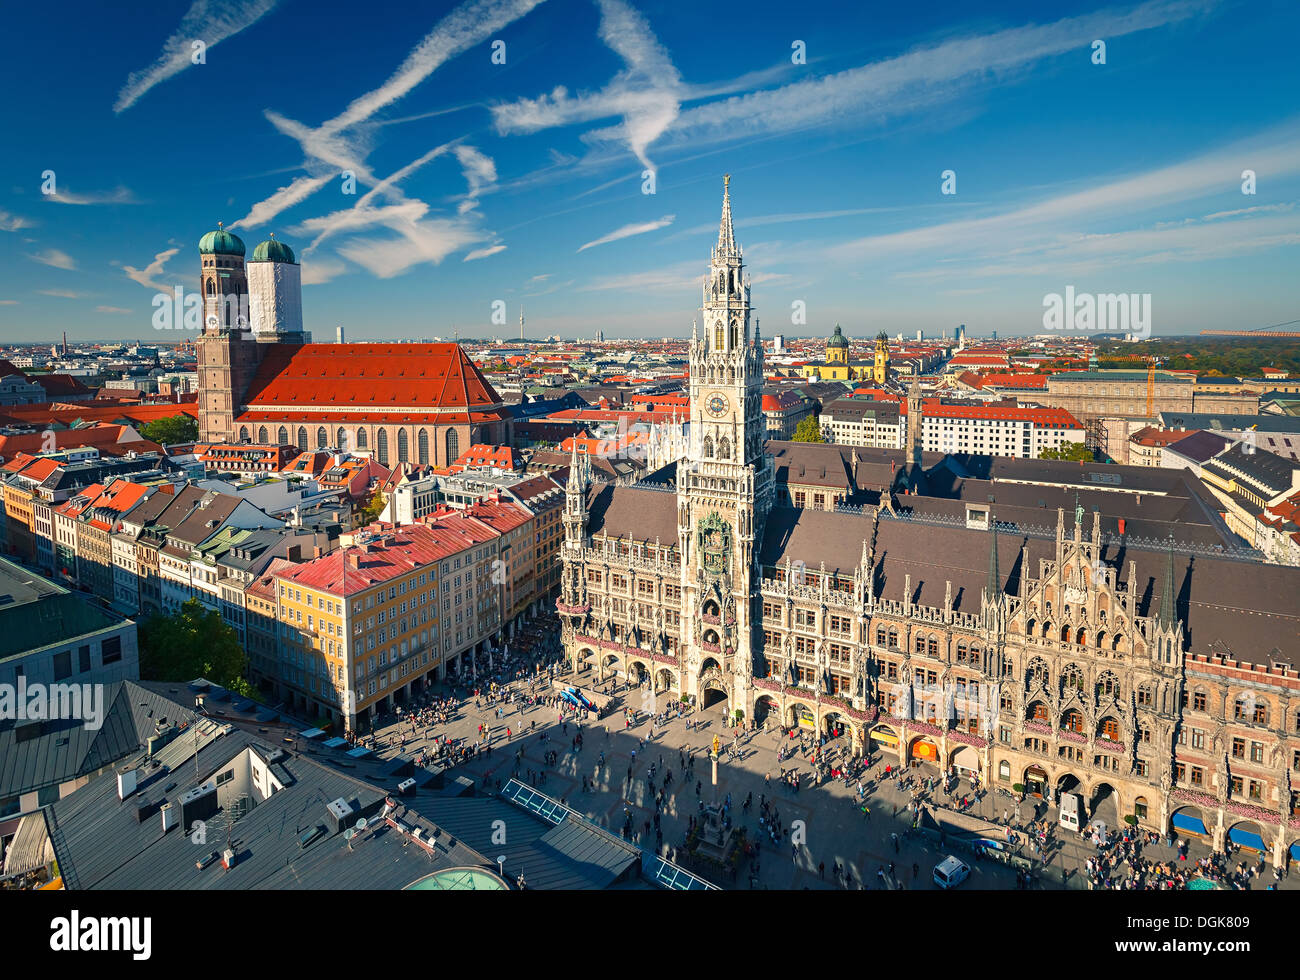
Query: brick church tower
227, 355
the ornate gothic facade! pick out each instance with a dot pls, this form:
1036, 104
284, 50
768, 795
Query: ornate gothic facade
1051, 665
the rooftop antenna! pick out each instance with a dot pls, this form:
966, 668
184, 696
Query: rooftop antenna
198, 703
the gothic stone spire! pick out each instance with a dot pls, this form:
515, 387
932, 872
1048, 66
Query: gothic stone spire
1168, 600
726, 234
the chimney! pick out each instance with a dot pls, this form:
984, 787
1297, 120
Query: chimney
352, 560
338, 335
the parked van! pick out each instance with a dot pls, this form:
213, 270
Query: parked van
1072, 815
950, 872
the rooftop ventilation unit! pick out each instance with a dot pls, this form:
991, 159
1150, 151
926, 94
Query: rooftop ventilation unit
198, 804
126, 779
337, 814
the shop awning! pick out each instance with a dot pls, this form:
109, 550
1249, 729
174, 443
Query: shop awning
884, 738
1190, 823
924, 750
1244, 837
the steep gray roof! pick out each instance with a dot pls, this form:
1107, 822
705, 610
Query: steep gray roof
622, 511
1246, 607
47, 753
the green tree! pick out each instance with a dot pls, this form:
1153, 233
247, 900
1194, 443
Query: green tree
1068, 450
192, 642
372, 509
171, 430
808, 430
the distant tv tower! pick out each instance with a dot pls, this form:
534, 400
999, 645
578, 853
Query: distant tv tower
521, 321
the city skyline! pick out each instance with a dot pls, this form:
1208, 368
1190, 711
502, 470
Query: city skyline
480, 182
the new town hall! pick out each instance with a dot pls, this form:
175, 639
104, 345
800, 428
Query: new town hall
1157, 681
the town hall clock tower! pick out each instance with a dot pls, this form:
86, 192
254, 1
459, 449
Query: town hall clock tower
725, 486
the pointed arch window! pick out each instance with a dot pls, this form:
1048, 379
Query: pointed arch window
403, 446
243, 433
381, 446
302, 438
322, 438
453, 446
422, 445
362, 439
1071, 679
341, 437
283, 436
261, 435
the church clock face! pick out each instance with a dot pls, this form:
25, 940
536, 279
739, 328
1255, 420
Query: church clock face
717, 405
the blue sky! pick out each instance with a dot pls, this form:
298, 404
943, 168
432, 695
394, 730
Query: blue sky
522, 182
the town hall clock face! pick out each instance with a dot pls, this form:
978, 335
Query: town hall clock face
717, 405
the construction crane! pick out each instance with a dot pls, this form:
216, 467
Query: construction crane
1151, 386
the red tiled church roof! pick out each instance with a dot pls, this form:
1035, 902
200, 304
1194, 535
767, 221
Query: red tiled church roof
361, 382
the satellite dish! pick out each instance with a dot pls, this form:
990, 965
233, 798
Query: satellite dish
361, 824
349, 834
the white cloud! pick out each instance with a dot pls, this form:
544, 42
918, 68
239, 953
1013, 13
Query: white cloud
1276, 152
56, 258
429, 240
111, 309
670, 280
119, 195
323, 270
553, 288
468, 25
148, 276
646, 94
337, 145
13, 222
1122, 251
205, 21
298, 190
483, 253
921, 78
627, 231
479, 170
61, 293
9, 302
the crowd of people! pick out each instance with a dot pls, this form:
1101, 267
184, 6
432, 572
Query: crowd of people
1119, 865
516, 687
